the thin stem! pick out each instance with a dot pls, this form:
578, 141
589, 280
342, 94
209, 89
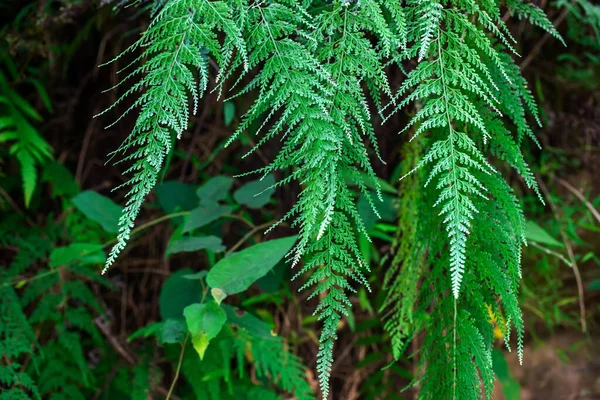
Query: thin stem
454, 351
178, 366
247, 235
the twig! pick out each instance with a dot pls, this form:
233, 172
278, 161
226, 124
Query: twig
581, 197
247, 235
550, 252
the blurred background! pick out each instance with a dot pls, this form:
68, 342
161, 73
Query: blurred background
81, 335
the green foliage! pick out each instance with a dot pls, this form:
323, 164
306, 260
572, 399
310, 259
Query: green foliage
237, 272
176, 41
316, 71
17, 118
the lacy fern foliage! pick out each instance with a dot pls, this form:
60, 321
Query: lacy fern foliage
317, 71
181, 38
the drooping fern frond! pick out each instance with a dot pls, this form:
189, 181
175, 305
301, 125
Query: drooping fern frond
311, 97
472, 99
179, 40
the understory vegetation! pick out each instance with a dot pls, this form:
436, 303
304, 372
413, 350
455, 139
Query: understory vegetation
285, 199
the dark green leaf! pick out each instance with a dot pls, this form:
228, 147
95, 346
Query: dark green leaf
152, 329
510, 386
237, 272
187, 244
385, 208
240, 319
63, 182
177, 293
215, 189
594, 285
228, 112
257, 193
99, 209
176, 196
173, 331
198, 275
80, 253
204, 214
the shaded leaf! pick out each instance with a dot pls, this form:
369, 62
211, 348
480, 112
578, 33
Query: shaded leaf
257, 193
82, 253
173, 331
177, 293
215, 189
240, 319
204, 214
510, 386
62, 180
99, 209
228, 112
187, 244
176, 196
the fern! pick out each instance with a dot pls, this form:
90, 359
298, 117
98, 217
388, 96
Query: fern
319, 110
16, 125
472, 94
181, 36
316, 69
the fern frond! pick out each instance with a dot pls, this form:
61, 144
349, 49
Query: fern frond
178, 41
310, 96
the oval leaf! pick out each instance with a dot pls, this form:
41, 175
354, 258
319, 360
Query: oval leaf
81, 253
236, 273
257, 193
99, 209
187, 244
204, 215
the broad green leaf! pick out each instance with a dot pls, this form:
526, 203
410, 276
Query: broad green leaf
204, 214
173, 331
536, 233
237, 272
204, 322
99, 209
187, 244
177, 293
240, 319
176, 196
215, 189
257, 193
80, 253
510, 386
228, 112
